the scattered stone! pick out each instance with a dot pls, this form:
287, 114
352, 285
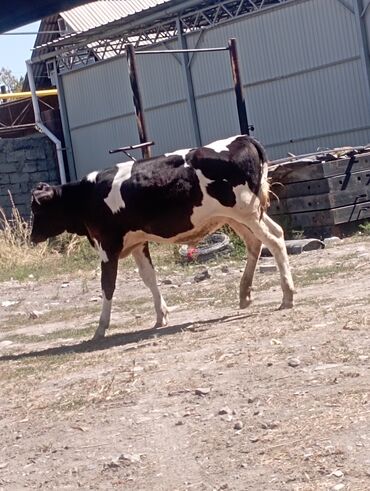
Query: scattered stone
201, 276
130, 458
9, 303
337, 487
202, 391
225, 269
225, 410
65, 284
363, 357
293, 362
238, 425
179, 423
275, 342
5, 343
3, 465
167, 281
34, 314
254, 439
337, 473
270, 425
250, 400
331, 240
267, 268
269, 363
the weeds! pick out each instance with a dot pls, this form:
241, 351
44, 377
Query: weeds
365, 228
19, 259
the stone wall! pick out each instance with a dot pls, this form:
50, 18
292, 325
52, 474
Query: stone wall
23, 163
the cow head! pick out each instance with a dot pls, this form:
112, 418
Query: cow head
48, 215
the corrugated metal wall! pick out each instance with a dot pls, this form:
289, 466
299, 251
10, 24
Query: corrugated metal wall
304, 84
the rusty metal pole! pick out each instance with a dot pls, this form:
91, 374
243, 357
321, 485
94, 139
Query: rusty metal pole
138, 103
238, 86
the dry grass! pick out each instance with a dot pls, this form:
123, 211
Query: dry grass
19, 258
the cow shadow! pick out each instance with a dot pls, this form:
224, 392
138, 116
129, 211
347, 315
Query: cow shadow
122, 339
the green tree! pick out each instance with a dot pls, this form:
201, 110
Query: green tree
11, 82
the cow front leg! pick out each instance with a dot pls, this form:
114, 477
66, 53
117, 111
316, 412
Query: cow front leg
108, 284
146, 270
254, 246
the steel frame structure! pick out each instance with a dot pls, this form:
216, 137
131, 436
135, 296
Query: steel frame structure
99, 44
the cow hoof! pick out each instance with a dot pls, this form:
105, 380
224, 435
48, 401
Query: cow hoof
159, 324
98, 335
243, 304
286, 305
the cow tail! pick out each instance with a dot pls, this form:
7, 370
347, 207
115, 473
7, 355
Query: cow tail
264, 187
264, 194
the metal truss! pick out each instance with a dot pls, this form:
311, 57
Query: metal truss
71, 52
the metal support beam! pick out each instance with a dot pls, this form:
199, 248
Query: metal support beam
72, 171
240, 101
138, 102
346, 5
40, 125
363, 45
189, 86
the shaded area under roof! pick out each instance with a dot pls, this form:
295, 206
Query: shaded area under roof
21, 12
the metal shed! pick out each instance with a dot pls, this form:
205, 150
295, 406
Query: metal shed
305, 66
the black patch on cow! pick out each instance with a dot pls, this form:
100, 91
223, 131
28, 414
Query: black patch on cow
240, 165
223, 192
160, 196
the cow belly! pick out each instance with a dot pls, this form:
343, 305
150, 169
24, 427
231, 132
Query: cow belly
191, 237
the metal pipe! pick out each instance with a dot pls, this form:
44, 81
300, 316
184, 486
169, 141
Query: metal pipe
24, 95
133, 21
189, 84
190, 50
138, 102
40, 125
238, 86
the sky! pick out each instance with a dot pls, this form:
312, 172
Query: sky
15, 50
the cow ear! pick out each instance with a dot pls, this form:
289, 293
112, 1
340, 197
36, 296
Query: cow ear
43, 192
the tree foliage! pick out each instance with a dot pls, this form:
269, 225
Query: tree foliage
11, 82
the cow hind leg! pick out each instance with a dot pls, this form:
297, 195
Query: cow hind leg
146, 270
272, 235
254, 250
108, 283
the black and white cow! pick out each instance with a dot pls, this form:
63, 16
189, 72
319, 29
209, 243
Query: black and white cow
178, 197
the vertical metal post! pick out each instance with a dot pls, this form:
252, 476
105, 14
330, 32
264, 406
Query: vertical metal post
363, 44
240, 101
72, 171
189, 85
138, 102
3, 91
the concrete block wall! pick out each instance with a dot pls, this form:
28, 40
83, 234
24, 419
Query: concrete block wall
23, 163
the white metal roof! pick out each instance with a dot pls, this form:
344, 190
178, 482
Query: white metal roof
85, 17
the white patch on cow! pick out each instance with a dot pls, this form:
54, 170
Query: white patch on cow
104, 317
102, 254
92, 176
114, 199
182, 153
222, 145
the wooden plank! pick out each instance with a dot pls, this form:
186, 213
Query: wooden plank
306, 171
320, 201
321, 218
345, 182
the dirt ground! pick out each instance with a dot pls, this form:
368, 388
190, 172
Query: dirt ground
221, 399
